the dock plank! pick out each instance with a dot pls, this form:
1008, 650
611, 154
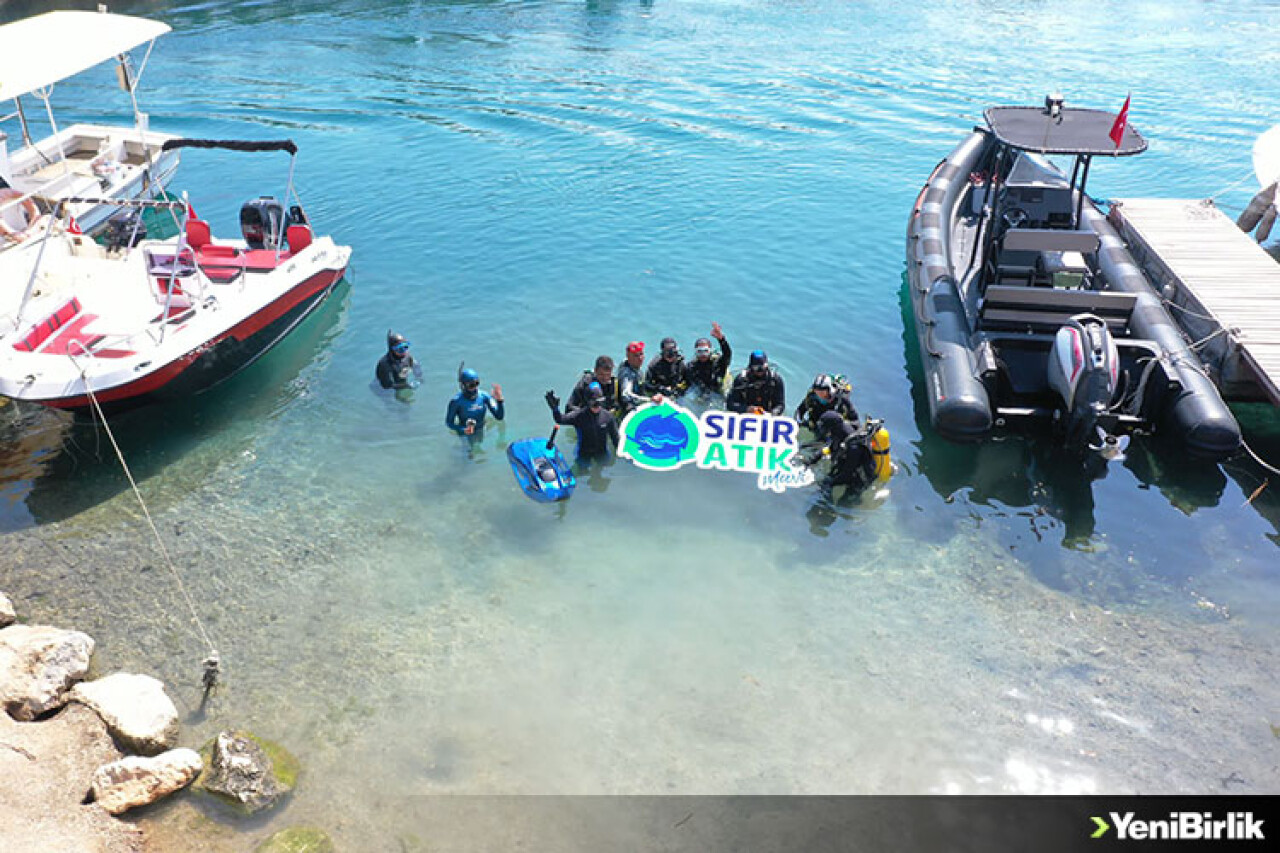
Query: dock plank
1232, 278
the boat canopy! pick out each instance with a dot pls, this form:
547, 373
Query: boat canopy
232, 144
45, 49
1069, 131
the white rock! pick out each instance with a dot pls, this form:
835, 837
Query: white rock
135, 708
38, 664
137, 781
7, 614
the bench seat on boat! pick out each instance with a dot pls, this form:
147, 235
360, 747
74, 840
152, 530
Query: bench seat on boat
1046, 308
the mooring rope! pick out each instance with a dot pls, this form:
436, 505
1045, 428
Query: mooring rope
212, 663
1214, 198
1256, 458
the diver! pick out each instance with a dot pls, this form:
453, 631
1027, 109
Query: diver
602, 376
828, 394
848, 450
667, 374
632, 391
397, 369
706, 372
758, 388
595, 424
467, 409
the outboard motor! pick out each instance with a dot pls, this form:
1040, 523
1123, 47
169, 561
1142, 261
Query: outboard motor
262, 222
124, 230
1084, 368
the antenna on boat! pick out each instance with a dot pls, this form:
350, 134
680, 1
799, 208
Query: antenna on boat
1053, 104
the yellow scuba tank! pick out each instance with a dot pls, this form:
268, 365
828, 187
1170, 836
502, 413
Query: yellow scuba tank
880, 453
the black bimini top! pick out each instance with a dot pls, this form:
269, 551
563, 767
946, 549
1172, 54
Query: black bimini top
1072, 131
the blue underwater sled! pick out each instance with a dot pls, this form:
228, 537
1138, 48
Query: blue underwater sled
541, 469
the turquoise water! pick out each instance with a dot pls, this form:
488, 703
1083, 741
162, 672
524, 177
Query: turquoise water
527, 185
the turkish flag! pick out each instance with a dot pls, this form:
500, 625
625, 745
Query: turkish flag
1122, 121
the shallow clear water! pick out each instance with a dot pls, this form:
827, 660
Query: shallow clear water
527, 185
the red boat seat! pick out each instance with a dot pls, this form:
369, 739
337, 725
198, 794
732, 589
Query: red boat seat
198, 234
263, 260
41, 331
298, 237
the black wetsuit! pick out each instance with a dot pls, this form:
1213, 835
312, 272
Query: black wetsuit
764, 391
812, 407
852, 463
707, 377
399, 372
579, 396
595, 429
669, 378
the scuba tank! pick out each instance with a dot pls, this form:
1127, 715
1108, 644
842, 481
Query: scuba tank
875, 466
882, 464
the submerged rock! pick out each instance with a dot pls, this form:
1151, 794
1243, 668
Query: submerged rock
251, 772
297, 839
38, 665
138, 781
135, 708
7, 614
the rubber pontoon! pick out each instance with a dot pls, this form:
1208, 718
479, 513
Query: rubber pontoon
1029, 309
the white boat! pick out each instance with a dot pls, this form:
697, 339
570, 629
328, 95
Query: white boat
82, 160
163, 318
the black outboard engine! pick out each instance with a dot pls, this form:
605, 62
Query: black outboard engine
262, 222
124, 230
1084, 368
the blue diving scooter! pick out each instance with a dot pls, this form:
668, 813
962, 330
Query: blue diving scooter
541, 469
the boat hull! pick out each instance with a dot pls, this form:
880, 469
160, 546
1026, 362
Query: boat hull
217, 360
965, 368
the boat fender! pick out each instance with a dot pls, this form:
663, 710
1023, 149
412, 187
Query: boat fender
1257, 206
1264, 227
30, 214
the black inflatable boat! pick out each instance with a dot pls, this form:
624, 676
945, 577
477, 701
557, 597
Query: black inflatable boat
1028, 307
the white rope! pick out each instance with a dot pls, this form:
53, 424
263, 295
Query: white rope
93, 398
1228, 189
1256, 458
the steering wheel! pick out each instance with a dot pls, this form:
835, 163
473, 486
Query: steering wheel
1014, 217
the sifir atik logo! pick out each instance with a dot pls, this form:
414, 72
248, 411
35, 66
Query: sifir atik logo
1182, 826
664, 437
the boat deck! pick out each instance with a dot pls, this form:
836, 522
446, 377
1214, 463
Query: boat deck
1227, 286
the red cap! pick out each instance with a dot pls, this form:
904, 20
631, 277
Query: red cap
635, 346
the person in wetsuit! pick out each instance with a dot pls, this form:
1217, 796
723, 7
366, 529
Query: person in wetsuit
667, 373
595, 424
826, 395
847, 447
706, 372
602, 376
467, 409
758, 388
397, 369
631, 388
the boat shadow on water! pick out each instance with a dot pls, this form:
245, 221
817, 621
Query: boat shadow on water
55, 465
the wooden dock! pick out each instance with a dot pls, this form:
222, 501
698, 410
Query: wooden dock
1225, 288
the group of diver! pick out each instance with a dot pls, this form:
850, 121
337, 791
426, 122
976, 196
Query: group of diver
601, 398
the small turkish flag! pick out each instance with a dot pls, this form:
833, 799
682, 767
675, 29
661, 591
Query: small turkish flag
1122, 121
73, 227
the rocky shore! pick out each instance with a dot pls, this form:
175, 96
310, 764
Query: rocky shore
76, 754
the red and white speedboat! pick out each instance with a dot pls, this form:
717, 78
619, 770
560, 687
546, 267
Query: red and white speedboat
162, 318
